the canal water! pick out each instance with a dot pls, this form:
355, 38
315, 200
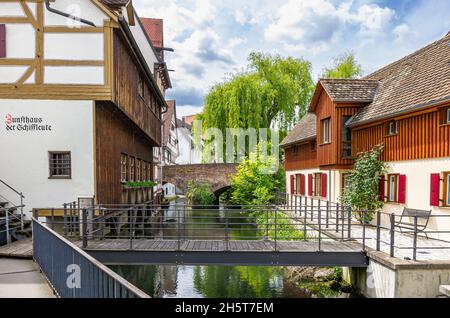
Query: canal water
212, 281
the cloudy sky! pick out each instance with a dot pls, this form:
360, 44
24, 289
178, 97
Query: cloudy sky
213, 38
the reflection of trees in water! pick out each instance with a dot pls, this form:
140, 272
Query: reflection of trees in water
238, 281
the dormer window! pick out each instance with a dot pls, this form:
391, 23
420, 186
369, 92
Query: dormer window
392, 128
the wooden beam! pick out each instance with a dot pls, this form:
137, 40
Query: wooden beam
28, 13
16, 62
27, 74
60, 29
39, 74
72, 63
10, 20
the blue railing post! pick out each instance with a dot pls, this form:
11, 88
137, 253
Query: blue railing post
415, 239
378, 230
392, 243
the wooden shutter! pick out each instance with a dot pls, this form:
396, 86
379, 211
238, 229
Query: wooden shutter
302, 184
310, 185
323, 191
435, 182
381, 188
402, 188
2, 41
292, 184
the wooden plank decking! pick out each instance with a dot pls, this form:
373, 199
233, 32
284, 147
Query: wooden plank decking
19, 249
220, 246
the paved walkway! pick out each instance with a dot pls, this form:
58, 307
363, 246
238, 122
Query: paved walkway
20, 278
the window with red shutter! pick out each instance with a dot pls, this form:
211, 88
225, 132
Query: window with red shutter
2, 41
292, 185
381, 188
435, 183
323, 191
302, 184
310, 185
402, 189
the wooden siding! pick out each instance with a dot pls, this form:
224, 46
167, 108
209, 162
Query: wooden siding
419, 137
331, 154
116, 134
326, 153
144, 110
303, 158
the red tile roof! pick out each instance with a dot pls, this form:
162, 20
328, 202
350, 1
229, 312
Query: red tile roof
155, 31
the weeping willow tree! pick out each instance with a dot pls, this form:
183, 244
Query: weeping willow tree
274, 92
344, 66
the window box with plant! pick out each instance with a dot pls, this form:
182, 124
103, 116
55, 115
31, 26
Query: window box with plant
139, 184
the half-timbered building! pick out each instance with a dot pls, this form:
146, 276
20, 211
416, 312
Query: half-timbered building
81, 95
406, 107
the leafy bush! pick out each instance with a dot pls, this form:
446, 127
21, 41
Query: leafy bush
255, 182
200, 194
363, 182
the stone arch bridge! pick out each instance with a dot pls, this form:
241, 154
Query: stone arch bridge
217, 175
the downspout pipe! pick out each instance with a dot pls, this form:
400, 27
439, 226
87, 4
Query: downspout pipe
67, 15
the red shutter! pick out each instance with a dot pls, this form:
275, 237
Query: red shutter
435, 184
381, 188
323, 191
310, 185
292, 184
302, 184
402, 189
2, 41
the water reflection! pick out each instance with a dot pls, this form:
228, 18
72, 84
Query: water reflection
210, 281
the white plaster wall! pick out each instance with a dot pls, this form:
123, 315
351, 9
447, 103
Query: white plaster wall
20, 40
418, 189
11, 74
90, 75
74, 46
10, 9
144, 45
80, 8
187, 155
24, 159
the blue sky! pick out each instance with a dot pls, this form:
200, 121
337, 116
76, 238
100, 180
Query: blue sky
213, 38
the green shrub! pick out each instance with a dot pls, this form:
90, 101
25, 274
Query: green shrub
200, 194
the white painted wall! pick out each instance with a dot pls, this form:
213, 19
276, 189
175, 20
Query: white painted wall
187, 155
144, 45
418, 188
24, 156
80, 8
83, 75
20, 40
76, 46
169, 190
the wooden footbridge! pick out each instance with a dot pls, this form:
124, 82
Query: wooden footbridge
279, 235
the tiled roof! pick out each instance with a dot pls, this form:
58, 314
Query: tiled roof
155, 31
413, 82
350, 90
304, 130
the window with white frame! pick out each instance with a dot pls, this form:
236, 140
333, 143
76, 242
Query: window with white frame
447, 188
392, 128
326, 131
448, 115
393, 187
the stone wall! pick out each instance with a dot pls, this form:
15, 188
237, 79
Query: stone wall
216, 175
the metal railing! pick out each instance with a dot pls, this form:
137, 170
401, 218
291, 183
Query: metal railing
21, 203
182, 223
386, 228
12, 222
72, 272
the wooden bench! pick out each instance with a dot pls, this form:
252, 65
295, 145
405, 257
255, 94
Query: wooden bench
407, 220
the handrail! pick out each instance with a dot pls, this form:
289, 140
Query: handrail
52, 260
17, 192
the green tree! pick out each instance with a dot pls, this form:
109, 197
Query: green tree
274, 91
255, 182
199, 194
344, 66
361, 191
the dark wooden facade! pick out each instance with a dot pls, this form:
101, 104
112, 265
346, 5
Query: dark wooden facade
132, 94
300, 157
115, 134
421, 135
